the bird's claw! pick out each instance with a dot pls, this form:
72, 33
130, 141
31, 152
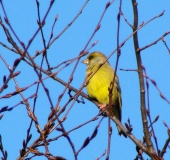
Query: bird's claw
102, 106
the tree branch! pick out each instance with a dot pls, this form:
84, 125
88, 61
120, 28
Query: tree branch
147, 137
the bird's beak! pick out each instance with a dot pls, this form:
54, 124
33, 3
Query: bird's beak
85, 61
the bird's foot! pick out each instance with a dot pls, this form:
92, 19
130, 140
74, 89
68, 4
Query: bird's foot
102, 107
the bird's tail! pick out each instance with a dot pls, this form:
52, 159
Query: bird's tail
120, 132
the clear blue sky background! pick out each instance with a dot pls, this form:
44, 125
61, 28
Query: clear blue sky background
156, 59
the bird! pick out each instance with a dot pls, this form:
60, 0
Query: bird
99, 76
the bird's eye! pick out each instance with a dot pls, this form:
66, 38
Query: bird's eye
91, 57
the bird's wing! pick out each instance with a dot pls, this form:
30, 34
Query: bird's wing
119, 96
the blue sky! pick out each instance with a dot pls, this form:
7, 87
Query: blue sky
156, 60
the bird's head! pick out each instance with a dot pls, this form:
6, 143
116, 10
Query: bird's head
94, 58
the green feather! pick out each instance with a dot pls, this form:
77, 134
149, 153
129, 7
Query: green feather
100, 81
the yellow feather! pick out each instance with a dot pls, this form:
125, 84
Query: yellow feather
100, 81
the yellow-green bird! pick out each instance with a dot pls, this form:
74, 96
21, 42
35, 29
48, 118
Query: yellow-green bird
99, 83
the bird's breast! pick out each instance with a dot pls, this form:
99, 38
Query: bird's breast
98, 85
